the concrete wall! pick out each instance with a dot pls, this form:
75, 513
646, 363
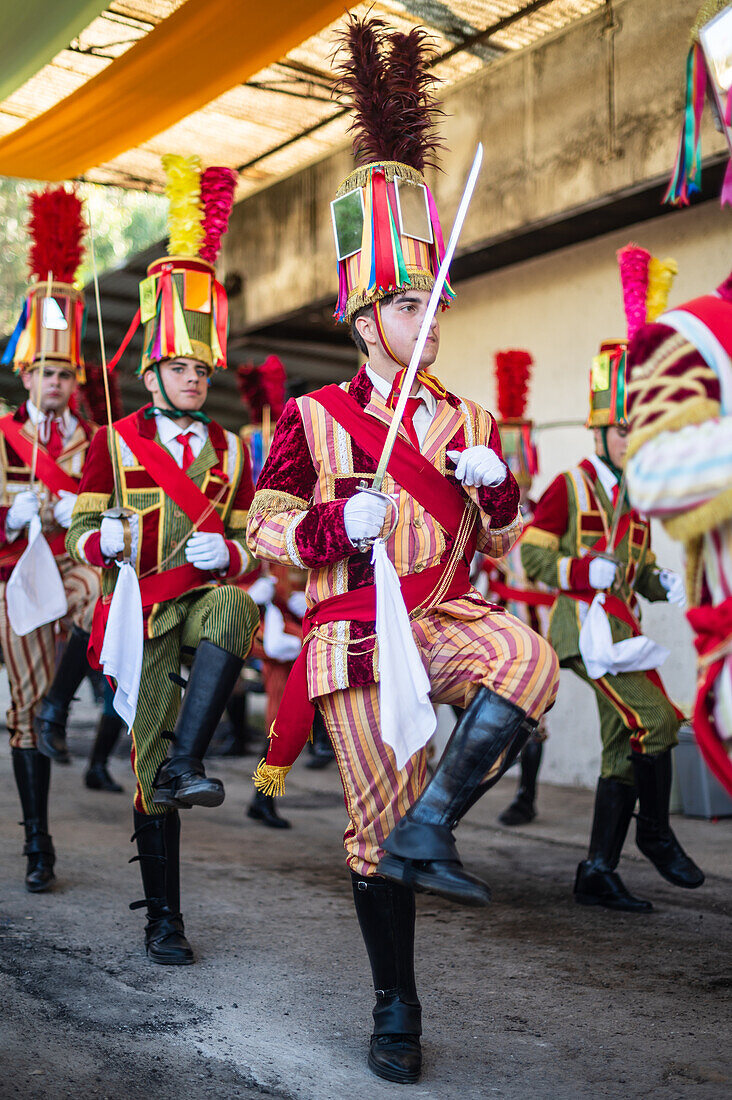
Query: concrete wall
553, 146
560, 307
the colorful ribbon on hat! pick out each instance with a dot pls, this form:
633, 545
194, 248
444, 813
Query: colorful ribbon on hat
686, 177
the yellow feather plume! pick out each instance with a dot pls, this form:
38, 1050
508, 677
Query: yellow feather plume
185, 213
661, 274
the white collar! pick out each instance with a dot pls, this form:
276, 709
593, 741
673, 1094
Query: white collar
168, 429
384, 389
605, 475
35, 416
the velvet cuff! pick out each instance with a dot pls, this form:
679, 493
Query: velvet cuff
320, 536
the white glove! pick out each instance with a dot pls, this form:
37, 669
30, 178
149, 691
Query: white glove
277, 643
602, 573
674, 585
112, 536
298, 604
364, 516
262, 590
208, 551
63, 508
22, 510
479, 466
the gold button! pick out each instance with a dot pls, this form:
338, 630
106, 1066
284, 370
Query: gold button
417, 522
178, 514
419, 567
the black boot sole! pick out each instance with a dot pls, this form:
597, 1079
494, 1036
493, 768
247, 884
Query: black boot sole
514, 817
405, 873
589, 899
670, 877
393, 1075
169, 961
57, 755
40, 887
266, 819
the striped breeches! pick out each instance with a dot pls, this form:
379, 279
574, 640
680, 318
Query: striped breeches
31, 660
225, 616
497, 651
634, 713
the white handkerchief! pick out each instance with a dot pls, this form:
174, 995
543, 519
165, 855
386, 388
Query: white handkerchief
121, 654
407, 716
602, 656
35, 592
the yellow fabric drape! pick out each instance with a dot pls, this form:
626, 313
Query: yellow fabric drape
193, 56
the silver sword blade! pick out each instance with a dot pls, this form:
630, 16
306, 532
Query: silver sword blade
427, 321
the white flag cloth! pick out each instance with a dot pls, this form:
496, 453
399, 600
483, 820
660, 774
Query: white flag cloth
277, 643
407, 716
602, 656
121, 654
35, 592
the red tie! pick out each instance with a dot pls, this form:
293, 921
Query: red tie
55, 443
184, 440
410, 409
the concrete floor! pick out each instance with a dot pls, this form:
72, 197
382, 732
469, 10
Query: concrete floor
534, 996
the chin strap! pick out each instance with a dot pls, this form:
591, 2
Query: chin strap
171, 411
605, 456
423, 377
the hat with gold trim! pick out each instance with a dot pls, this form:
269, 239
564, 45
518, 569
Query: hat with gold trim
183, 306
385, 222
51, 323
646, 283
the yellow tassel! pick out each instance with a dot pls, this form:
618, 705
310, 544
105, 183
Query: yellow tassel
707, 11
661, 274
270, 779
185, 214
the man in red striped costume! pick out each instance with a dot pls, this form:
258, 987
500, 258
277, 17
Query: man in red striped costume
451, 492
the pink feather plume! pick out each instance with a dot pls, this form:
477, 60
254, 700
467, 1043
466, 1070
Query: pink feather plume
217, 198
633, 262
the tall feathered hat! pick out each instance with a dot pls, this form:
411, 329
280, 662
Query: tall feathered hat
708, 75
646, 283
262, 390
387, 232
51, 322
183, 307
513, 371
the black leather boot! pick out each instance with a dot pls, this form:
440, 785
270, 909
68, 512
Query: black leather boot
158, 852
97, 776
654, 835
262, 808
53, 711
597, 881
33, 777
420, 850
182, 780
386, 915
320, 750
523, 810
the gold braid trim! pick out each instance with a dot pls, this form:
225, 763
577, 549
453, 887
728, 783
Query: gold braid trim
91, 502
699, 521
361, 176
270, 779
270, 501
545, 540
357, 299
693, 411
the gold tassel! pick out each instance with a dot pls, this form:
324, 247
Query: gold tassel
360, 298
270, 779
707, 11
661, 274
361, 177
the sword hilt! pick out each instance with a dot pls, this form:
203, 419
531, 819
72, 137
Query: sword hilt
362, 545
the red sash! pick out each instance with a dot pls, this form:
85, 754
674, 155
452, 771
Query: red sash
47, 469
407, 466
291, 728
166, 473
713, 628
716, 314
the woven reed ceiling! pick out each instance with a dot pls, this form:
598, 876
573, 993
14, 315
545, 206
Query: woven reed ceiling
283, 117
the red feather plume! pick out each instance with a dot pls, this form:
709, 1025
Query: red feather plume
91, 395
513, 370
263, 385
56, 228
384, 79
